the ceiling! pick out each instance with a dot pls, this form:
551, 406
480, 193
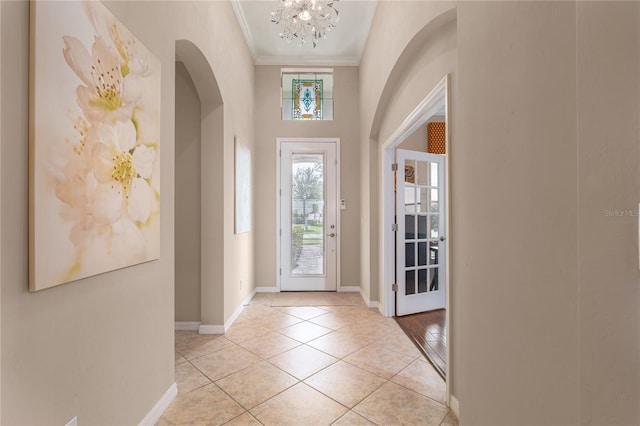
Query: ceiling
343, 46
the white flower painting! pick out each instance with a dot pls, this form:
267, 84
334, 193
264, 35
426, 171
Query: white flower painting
94, 145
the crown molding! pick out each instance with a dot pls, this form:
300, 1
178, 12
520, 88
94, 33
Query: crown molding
307, 60
244, 27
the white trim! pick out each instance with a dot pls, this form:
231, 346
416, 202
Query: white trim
454, 404
306, 70
349, 289
425, 109
238, 311
188, 325
368, 301
244, 26
159, 408
211, 329
73, 422
267, 290
308, 60
221, 329
447, 283
279, 142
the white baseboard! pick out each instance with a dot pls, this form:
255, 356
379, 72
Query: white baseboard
239, 310
267, 290
211, 329
163, 403
368, 302
187, 325
349, 289
454, 404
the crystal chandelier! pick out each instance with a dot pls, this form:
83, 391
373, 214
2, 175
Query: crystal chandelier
303, 19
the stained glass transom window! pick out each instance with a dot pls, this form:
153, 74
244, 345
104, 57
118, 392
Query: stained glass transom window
307, 95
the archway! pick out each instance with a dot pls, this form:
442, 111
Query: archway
199, 268
414, 91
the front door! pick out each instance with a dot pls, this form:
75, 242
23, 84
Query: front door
308, 216
421, 236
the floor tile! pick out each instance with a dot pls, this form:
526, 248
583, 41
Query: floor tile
244, 419
338, 345
255, 312
450, 420
179, 359
421, 377
303, 361
367, 332
243, 331
277, 320
269, 345
353, 419
345, 383
225, 362
399, 342
208, 344
299, 405
262, 299
254, 385
331, 320
307, 312
207, 405
188, 378
392, 404
379, 361
305, 331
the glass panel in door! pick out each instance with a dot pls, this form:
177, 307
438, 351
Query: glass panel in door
307, 214
420, 237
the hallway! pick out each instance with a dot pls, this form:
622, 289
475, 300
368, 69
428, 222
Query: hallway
304, 365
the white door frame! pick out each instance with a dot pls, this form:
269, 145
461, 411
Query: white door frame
418, 117
279, 142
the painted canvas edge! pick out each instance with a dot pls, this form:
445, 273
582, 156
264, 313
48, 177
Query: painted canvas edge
33, 285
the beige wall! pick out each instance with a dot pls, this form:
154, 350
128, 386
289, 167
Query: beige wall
187, 210
269, 126
543, 332
515, 244
608, 70
385, 63
102, 348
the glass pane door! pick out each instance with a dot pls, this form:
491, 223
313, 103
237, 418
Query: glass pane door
307, 214
421, 239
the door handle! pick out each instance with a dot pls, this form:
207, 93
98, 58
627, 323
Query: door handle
442, 238
333, 234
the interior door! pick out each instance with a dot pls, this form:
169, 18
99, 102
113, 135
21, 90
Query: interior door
308, 216
421, 237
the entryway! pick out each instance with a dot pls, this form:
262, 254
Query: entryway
308, 221
416, 212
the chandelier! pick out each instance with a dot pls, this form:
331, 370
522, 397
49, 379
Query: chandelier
305, 19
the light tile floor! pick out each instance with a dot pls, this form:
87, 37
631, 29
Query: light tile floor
342, 365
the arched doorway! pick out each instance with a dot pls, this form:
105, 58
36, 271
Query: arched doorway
199, 266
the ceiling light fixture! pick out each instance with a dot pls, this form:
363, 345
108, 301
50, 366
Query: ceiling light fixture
305, 19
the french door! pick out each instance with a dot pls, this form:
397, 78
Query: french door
421, 237
308, 216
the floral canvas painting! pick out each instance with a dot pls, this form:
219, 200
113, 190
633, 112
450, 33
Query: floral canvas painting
94, 145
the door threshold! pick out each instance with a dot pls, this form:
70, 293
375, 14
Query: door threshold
427, 331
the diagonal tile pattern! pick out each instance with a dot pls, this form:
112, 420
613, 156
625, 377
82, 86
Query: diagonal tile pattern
305, 365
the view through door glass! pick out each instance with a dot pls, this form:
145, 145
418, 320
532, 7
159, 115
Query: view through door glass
307, 214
